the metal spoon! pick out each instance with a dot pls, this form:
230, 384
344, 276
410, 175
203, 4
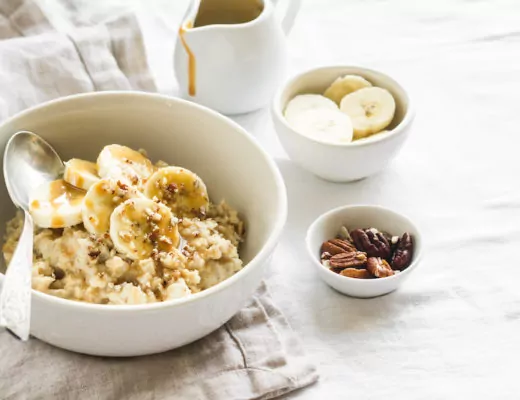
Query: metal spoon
29, 161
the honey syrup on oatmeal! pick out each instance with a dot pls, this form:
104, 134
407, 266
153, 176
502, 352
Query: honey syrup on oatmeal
63, 193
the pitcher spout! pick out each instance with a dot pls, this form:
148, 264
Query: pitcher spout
190, 14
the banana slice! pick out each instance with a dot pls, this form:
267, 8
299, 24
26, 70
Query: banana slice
101, 200
373, 137
345, 85
80, 173
180, 189
371, 110
323, 124
138, 226
123, 163
56, 204
305, 102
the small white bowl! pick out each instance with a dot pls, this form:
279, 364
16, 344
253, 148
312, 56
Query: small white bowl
342, 162
327, 227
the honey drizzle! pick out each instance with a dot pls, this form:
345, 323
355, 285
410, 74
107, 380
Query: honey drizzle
60, 193
191, 58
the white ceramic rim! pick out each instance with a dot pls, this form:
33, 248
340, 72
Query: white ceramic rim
417, 254
398, 130
254, 263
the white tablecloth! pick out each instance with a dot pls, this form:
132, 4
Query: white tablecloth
452, 330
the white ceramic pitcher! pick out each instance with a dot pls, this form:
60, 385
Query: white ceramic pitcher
231, 55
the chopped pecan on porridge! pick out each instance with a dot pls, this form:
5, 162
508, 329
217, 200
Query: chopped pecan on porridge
125, 231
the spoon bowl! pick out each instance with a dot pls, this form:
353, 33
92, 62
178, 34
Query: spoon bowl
29, 161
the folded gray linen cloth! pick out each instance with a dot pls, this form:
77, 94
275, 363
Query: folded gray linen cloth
255, 355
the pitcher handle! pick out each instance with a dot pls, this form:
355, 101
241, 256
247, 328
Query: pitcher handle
290, 12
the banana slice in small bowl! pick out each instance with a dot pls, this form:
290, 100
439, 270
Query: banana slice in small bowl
318, 117
377, 107
307, 102
345, 85
370, 109
327, 125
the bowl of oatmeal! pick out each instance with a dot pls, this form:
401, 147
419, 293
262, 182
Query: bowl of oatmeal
156, 234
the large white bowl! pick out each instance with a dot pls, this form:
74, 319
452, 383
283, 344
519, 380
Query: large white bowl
230, 162
350, 161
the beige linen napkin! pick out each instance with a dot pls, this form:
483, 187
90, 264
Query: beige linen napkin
256, 355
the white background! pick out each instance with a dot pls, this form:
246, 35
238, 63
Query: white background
453, 330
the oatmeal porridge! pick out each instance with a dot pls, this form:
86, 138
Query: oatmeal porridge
125, 231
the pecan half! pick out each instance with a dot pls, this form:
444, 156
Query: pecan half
59, 273
394, 243
373, 243
337, 246
403, 253
356, 273
348, 260
379, 267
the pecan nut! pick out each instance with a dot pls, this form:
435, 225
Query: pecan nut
394, 243
403, 253
356, 273
355, 259
337, 246
373, 243
379, 267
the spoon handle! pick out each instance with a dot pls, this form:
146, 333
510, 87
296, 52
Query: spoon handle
15, 298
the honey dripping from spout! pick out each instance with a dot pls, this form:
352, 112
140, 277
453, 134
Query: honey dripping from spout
191, 59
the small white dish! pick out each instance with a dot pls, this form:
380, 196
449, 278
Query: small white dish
327, 226
349, 161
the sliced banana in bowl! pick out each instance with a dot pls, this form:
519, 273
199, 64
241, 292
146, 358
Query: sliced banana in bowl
123, 163
180, 189
139, 226
379, 108
80, 173
306, 102
101, 200
345, 85
325, 125
370, 109
56, 204
319, 118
